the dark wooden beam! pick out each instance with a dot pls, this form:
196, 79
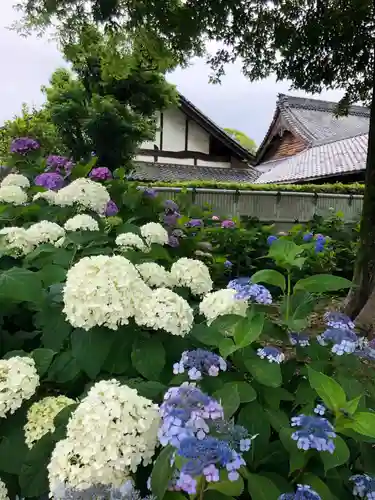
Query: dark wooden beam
184, 154
161, 130
186, 133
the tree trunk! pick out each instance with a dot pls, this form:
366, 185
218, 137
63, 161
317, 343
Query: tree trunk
364, 270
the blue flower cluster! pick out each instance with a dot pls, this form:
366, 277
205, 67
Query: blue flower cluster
299, 339
366, 349
338, 320
343, 341
364, 486
248, 291
320, 409
303, 492
273, 354
194, 424
271, 239
320, 241
198, 363
314, 433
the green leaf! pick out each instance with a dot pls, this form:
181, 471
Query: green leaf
227, 347
20, 285
265, 373
64, 368
248, 330
328, 389
229, 399
245, 391
262, 488
297, 458
55, 329
226, 324
150, 389
317, 485
129, 228
352, 406
339, 457
43, 359
91, 348
270, 277
52, 273
162, 472
12, 444
364, 423
148, 357
118, 360
320, 283
301, 305
253, 418
228, 488
285, 252
207, 335
277, 418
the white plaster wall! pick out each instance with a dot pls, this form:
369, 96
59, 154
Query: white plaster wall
183, 161
198, 139
173, 130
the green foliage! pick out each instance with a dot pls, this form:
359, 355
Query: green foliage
242, 138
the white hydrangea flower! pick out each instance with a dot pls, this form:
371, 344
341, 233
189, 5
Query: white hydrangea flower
131, 240
193, 274
86, 193
49, 196
154, 232
41, 415
3, 491
103, 290
15, 241
165, 310
112, 431
44, 232
220, 303
155, 275
15, 180
18, 382
81, 222
12, 194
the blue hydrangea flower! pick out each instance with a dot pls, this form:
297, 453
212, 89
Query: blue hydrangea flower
338, 320
303, 492
365, 349
186, 412
320, 410
186, 483
314, 433
248, 291
236, 435
299, 339
194, 223
170, 205
198, 363
228, 264
308, 237
319, 247
273, 354
343, 341
364, 486
271, 239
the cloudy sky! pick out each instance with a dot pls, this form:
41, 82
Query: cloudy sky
28, 63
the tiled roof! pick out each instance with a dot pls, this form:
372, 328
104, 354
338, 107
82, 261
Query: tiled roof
166, 172
324, 160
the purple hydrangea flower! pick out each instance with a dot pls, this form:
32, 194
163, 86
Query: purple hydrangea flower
315, 433
338, 320
271, 239
59, 164
171, 206
112, 209
308, 237
228, 224
342, 340
50, 180
364, 486
171, 218
299, 339
24, 145
303, 492
320, 410
194, 223
248, 291
186, 483
100, 174
228, 264
198, 363
273, 354
173, 241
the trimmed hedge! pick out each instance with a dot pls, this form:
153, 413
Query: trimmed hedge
355, 188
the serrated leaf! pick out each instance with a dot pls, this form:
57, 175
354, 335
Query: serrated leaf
321, 283
317, 485
64, 368
148, 357
265, 373
20, 285
208, 335
339, 457
52, 273
248, 330
33, 477
162, 472
270, 277
364, 423
229, 398
43, 359
328, 389
262, 488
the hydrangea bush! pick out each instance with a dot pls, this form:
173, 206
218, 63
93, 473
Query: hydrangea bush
124, 373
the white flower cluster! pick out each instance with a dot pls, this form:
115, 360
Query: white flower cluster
15, 180
128, 241
154, 232
192, 274
165, 310
12, 194
44, 232
155, 275
48, 196
41, 415
18, 382
103, 290
81, 222
3, 491
109, 435
220, 303
85, 193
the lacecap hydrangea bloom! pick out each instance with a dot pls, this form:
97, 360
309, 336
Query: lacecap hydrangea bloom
81, 222
198, 363
320, 410
314, 433
128, 241
192, 274
343, 341
364, 486
220, 303
16, 180
338, 320
303, 492
155, 276
248, 291
112, 431
165, 310
15, 241
44, 232
299, 339
104, 291
40, 417
153, 232
272, 354
13, 195
18, 382
3, 491
85, 193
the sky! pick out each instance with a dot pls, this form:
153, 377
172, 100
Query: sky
29, 62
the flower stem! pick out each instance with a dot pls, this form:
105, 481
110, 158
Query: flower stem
289, 286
